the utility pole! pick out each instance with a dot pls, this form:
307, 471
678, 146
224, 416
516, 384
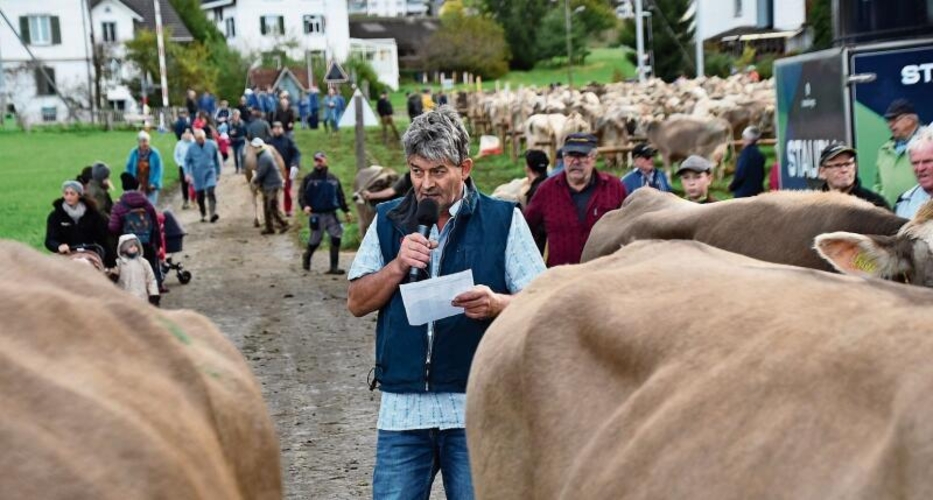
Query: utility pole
698, 37
2, 94
639, 41
160, 41
88, 52
569, 46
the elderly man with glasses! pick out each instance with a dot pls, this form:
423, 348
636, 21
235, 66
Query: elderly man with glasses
839, 171
894, 174
566, 206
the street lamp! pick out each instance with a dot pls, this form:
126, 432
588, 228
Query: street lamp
577, 10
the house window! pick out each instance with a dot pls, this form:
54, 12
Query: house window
230, 28
40, 30
738, 8
272, 25
43, 85
218, 14
49, 114
109, 31
314, 24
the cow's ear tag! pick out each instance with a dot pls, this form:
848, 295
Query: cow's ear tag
865, 263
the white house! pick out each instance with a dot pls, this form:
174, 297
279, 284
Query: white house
389, 8
753, 20
382, 55
294, 26
50, 49
116, 22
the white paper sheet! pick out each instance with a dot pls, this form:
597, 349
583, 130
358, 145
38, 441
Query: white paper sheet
429, 300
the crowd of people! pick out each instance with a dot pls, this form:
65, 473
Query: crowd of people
422, 369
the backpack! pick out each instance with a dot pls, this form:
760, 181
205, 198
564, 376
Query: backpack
137, 221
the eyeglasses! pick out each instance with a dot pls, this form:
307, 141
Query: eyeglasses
844, 164
576, 157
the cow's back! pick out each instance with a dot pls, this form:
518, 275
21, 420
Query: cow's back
808, 386
775, 227
106, 397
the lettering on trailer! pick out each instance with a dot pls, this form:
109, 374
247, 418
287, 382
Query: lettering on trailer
913, 73
803, 157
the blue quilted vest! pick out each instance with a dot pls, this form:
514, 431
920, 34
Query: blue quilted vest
477, 241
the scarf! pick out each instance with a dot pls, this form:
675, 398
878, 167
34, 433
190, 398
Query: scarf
75, 212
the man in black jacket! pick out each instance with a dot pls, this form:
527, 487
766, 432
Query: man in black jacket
320, 196
292, 158
839, 172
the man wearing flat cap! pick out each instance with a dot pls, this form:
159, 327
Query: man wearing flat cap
839, 171
645, 174
695, 175
894, 174
566, 206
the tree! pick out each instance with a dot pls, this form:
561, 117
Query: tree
468, 43
229, 65
820, 14
552, 42
520, 33
187, 66
673, 38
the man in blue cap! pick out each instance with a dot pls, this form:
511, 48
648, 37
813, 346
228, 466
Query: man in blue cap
894, 174
644, 173
566, 206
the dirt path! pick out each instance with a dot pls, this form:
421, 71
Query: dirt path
309, 353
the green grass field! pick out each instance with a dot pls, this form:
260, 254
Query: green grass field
602, 65
34, 165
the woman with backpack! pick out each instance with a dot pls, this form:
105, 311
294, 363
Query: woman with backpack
134, 214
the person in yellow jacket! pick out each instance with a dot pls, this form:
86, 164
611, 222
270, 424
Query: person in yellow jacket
894, 174
427, 102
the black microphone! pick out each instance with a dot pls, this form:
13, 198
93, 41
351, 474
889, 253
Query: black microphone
426, 215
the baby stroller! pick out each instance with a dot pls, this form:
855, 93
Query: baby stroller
88, 254
172, 236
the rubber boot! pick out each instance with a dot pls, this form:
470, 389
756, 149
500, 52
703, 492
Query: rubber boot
335, 257
306, 257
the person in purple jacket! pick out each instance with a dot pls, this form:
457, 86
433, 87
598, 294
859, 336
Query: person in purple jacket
134, 213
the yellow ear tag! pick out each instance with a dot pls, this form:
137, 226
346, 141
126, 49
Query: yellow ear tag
865, 263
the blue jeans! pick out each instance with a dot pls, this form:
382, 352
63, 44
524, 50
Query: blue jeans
408, 461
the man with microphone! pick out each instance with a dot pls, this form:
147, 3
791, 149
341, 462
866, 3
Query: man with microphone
422, 370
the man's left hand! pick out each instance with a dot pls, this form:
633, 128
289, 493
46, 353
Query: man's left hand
480, 302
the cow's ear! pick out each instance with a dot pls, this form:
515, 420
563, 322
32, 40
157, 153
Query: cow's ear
857, 254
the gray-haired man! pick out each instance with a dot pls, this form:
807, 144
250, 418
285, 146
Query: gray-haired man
422, 370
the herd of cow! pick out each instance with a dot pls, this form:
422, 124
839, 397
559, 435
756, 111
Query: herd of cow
699, 116
700, 351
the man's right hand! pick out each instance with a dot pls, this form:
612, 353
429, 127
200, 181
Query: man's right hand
415, 252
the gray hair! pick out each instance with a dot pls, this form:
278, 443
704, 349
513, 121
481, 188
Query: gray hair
922, 138
438, 135
199, 132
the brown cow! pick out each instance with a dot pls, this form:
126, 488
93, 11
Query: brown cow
373, 178
813, 386
106, 397
680, 136
776, 227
